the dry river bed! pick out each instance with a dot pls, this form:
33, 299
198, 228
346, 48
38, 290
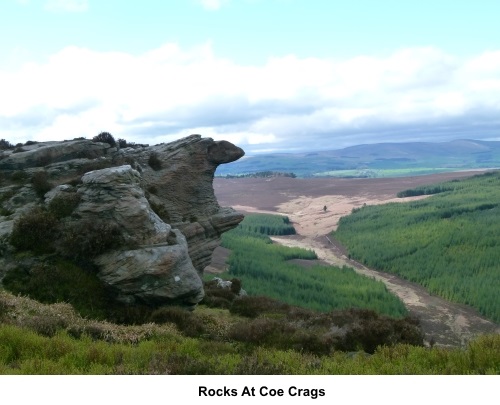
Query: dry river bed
443, 322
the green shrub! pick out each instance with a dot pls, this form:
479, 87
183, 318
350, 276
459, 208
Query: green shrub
187, 322
5, 212
216, 302
154, 161
136, 314
19, 176
36, 230
181, 363
59, 281
264, 331
87, 239
367, 330
64, 204
105, 137
323, 333
218, 297
252, 307
225, 293
4, 145
256, 365
3, 310
235, 285
285, 334
41, 184
46, 325
323, 343
7, 194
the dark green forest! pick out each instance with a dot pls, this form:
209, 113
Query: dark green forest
266, 269
266, 224
449, 242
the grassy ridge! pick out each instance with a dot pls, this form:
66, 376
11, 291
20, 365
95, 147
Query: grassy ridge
264, 269
52, 339
449, 242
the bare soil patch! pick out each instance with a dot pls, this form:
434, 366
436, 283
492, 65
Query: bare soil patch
304, 200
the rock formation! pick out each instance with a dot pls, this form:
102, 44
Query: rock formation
159, 200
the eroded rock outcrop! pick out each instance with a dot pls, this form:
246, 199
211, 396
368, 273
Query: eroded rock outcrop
183, 185
114, 195
159, 198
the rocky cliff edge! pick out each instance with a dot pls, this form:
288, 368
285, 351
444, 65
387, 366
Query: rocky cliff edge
150, 211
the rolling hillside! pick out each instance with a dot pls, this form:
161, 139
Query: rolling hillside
375, 160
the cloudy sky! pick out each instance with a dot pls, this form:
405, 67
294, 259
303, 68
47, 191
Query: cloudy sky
267, 75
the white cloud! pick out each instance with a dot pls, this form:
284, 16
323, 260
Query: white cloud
73, 6
288, 102
212, 4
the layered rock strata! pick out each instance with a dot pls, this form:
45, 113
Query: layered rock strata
160, 198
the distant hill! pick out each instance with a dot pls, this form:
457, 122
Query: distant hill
375, 160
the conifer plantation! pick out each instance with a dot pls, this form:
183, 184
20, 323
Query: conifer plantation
265, 269
449, 242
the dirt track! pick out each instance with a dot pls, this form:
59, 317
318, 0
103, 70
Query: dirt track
303, 201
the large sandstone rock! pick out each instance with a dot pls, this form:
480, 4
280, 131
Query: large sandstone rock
114, 195
162, 201
155, 274
184, 184
158, 269
44, 153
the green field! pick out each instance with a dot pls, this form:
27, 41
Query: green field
449, 242
377, 173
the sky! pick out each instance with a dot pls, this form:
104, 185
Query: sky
267, 75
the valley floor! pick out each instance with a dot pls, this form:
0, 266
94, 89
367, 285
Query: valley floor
303, 201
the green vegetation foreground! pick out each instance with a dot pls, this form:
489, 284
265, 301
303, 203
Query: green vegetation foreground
52, 339
25, 352
449, 243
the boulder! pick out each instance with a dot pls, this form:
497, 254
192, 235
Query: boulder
114, 195
155, 274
